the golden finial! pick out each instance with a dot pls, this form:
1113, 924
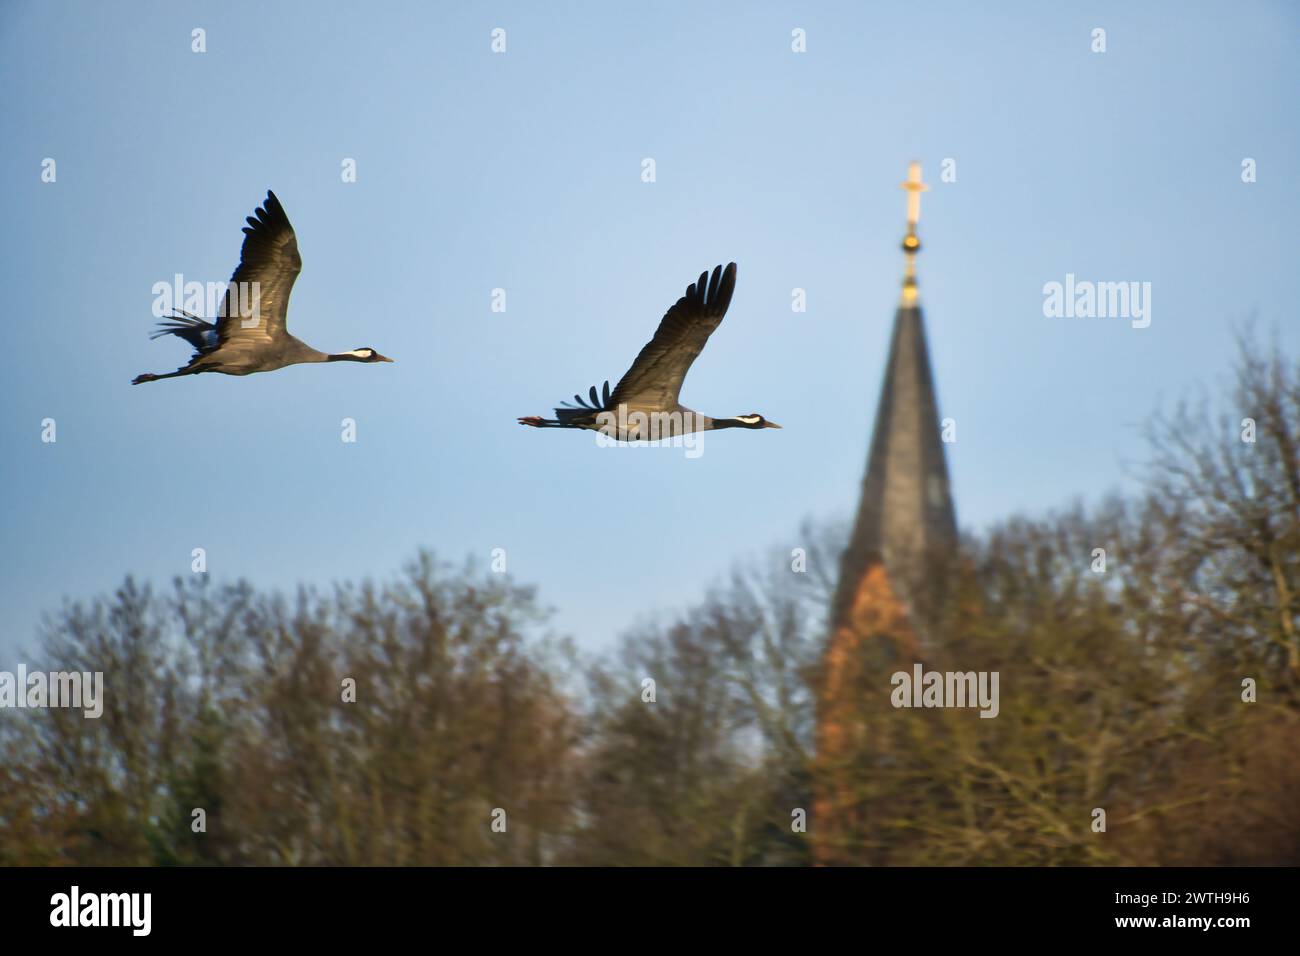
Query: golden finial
911, 244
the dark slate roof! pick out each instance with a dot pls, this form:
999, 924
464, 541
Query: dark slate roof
906, 515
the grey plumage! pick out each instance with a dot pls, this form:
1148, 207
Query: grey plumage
244, 340
651, 388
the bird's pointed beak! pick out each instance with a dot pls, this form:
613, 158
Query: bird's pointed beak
383, 358
771, 425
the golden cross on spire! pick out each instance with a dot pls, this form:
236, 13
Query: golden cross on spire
911, 244
914, 188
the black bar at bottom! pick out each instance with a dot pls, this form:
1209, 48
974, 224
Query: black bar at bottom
330, 906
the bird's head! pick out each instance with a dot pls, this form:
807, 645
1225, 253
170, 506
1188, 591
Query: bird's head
755, 420
363, 354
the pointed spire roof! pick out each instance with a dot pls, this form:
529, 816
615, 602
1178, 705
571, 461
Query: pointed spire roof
905, 516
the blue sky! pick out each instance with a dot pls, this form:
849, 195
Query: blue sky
522, 171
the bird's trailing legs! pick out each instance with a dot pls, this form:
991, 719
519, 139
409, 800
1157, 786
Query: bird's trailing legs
151, 377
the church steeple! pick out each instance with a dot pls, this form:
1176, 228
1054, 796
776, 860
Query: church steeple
893, 570
905, 515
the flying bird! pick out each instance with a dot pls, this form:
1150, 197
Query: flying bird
250, 334
644, 404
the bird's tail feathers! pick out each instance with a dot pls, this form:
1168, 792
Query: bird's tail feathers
598, 402
201, 335
573, 417
180, 322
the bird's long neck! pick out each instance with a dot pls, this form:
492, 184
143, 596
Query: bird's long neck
341, 357
713, 424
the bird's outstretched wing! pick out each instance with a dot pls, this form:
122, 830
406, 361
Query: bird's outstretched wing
268, 265
655, 378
